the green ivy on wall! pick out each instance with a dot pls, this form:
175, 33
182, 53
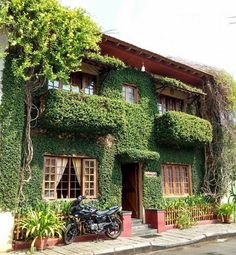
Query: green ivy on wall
191, 156
139, 131
11, 130
170, 82
134, 155
179, 128
134, 139
152, 191
152, 187
108, 173
134, 135
79, 113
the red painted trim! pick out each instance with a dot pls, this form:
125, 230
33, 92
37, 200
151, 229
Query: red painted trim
127, 224
154, 63
201, 222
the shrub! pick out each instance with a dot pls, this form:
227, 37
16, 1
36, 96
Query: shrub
79, 113
184, 219
225, 209
135, 155
178, 128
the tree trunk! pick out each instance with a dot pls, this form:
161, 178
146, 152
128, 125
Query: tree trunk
25, 172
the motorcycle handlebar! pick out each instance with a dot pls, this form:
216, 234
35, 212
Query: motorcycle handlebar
80, 198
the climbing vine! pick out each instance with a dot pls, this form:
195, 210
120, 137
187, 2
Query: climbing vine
220, 154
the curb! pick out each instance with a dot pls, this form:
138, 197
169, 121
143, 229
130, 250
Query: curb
153, 247
205, 238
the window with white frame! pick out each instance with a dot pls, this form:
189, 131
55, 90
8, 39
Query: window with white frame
69, 177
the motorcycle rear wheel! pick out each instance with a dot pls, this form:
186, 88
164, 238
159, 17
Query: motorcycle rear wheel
70, 233
114, 231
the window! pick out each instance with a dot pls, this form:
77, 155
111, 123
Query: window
176, 180
89, 84
166, 103
66, 177
130, 93
53, 84
78, 81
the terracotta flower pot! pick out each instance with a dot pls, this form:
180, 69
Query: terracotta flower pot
41, 243
226, 219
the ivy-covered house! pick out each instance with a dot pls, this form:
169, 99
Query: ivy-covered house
126, 135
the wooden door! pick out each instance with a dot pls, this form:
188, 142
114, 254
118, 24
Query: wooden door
130, 189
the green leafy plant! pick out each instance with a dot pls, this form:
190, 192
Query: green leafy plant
39, 224
184, 219
49, 42
170, 82
179, 128
73, 112
175, 203
225, 209
135, 155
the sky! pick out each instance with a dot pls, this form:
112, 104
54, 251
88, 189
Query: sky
193, 30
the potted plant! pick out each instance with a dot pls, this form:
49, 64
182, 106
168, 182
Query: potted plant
40, 225
225, 211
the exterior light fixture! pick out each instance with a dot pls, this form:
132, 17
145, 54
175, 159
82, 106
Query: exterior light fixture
143, 68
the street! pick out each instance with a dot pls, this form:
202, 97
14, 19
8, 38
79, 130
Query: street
217, 247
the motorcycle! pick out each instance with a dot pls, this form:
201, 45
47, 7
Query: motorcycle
92, 221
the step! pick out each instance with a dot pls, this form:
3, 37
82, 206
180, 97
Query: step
141, 227
136, 222
148, 232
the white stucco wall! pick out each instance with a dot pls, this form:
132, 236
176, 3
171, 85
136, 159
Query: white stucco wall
6, 233
3, 45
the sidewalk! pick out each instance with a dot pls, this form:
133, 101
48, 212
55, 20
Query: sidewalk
134, 245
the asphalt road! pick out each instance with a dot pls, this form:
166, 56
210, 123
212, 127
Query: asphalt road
217, 247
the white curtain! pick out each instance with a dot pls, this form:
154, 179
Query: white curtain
77, 167
61, 166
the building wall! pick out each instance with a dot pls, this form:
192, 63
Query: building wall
138, 134
11, 134
3, 44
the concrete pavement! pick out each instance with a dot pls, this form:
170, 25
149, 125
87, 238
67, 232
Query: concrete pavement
134, 245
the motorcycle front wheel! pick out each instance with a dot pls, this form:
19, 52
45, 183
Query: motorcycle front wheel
70, 233
114, 231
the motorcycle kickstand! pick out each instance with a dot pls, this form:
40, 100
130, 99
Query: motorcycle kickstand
97, 238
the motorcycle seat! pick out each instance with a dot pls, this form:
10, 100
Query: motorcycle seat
100, 213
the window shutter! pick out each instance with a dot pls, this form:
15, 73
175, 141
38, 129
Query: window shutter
49, 180
89, 187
